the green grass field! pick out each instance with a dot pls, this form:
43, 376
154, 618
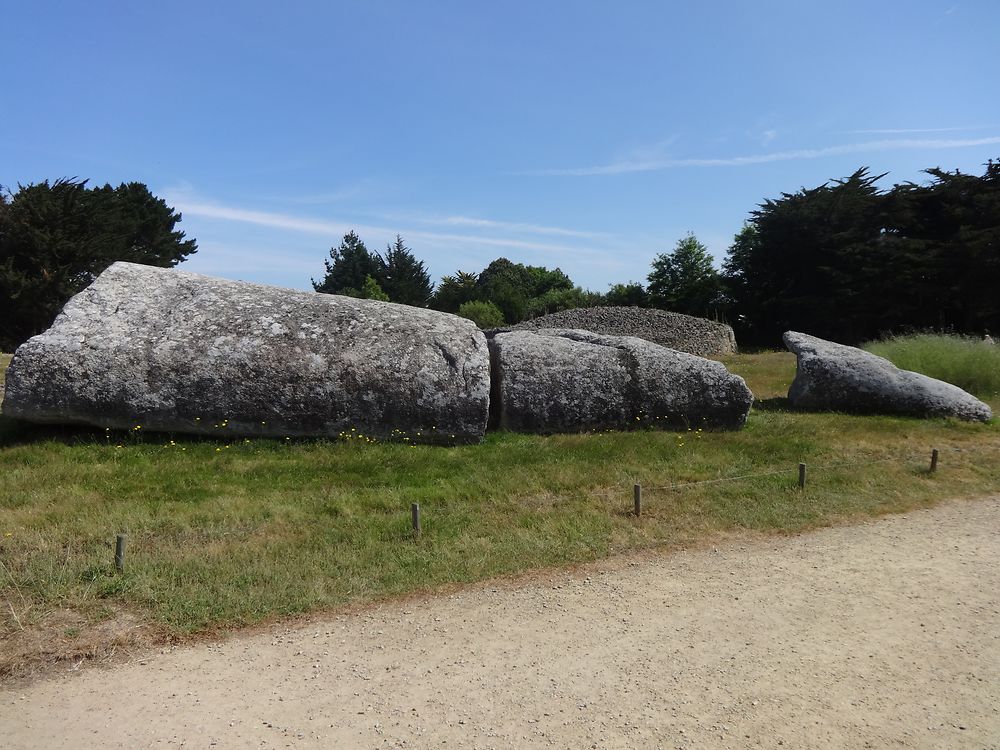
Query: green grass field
966, 362
229, 533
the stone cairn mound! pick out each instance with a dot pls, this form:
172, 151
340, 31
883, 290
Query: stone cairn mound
698, 336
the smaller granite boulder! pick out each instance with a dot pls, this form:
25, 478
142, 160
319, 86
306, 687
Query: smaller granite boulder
560, 380
844, 378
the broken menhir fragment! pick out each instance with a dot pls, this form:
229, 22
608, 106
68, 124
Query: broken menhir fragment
179, 352
843, 378
565, 380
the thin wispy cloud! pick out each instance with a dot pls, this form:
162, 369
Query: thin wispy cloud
628, 167
224, 258
651, 151
333, 229
472, 222
260, 218
504, 242
914, 131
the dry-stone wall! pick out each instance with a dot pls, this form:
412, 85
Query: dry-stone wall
699, 336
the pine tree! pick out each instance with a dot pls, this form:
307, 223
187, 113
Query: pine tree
402, 276
347, 268
809, 261
684, 280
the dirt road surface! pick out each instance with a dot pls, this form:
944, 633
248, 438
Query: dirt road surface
885, 634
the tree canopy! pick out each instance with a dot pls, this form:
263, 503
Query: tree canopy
848, 262
517, 290
402, 276
507, 285
347, 268
55, 238
454, 291
684, 280
396, 276
632, 294
370, 289
483, 314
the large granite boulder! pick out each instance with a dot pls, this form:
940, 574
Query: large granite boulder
560, 380
843, 378
180, 352
686, 333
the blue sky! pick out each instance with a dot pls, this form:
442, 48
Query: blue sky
584, 135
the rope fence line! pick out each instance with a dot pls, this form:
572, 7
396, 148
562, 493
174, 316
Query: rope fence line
616, 492
682, 485
638, 490
819, 467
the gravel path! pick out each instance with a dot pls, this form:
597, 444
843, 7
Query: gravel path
877, 635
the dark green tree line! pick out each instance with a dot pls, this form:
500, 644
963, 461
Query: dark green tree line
849, 262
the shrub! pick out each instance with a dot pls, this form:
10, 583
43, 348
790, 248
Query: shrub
968, 362
555, 300
483, 314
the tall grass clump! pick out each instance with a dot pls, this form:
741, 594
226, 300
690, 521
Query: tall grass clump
968, 362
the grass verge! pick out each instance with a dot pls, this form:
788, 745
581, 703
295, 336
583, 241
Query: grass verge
967, 362
226, 534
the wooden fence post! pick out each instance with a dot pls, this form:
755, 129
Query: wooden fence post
415, 517
120, 552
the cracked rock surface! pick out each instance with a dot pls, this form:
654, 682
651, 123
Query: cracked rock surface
559, 380
180, 352
844, 378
